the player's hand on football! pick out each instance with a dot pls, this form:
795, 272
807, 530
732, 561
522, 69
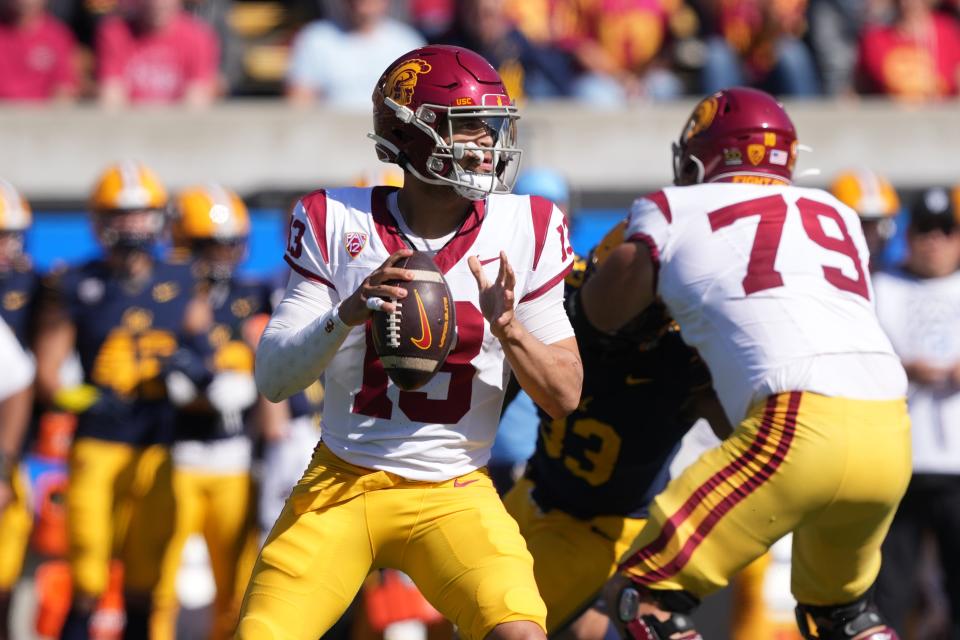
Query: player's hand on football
496, 298
356, 309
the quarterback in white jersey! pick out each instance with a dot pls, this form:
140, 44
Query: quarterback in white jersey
770, 282
398, 479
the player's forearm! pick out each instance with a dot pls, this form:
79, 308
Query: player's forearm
552, 375
290, 357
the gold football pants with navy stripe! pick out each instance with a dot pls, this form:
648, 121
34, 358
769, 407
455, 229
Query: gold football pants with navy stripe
830, 470
218, 506
16, 521
572, 558
119, 502
453, 538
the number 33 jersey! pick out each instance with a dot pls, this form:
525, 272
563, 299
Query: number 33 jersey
770, 284
445, 429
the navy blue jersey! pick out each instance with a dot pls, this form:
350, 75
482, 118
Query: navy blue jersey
223, 348
612, 455
18, 296
125, 332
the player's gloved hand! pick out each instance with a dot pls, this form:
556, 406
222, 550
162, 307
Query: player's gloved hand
232, 391
185, 375
86, 398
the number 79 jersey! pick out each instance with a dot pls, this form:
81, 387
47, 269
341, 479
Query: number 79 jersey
444, 429
770, 284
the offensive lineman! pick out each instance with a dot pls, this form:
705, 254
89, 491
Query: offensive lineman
770, 283
398, 479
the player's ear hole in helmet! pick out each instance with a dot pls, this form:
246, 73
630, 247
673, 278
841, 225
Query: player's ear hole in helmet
736, 135
211, 223
129, 206
443, 114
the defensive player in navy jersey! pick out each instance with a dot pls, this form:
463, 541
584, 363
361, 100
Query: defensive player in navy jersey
18, 287
210, 380
122, 314
586, 491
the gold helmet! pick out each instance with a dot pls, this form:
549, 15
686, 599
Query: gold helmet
870, 195
212, 224
389, 176
15, 214
129, 189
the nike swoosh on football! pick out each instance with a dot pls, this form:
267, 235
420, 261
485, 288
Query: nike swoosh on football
632, 381
458, 483
489, 260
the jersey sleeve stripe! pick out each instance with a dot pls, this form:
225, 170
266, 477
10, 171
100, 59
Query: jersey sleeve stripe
755, 479
654, 253
660, 199
309, 275
315, 206
547, 286
541, 210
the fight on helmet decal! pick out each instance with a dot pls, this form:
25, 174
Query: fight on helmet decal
402, 80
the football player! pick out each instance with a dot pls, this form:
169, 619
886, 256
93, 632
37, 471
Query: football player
398, 479
19, 284
770, 283
122, 313
875, 201
587, 488
210, 380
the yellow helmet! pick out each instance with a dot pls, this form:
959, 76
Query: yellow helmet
15, 213
390, 176
128, 186
210, 212
870, 195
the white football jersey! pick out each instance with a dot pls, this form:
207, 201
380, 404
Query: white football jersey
770, 284
921, 316
446, 428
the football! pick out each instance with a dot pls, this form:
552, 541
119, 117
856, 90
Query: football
413, 341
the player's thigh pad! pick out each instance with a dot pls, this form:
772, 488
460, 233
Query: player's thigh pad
836, 550
98, 471
15, 523
572, 558
728, 507
466, 554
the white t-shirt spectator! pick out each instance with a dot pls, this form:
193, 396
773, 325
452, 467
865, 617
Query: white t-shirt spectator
921, 317
342, 66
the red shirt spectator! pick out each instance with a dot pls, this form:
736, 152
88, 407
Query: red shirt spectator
912, 64
36, 55
173, 62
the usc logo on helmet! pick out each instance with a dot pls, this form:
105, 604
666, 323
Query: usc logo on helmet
702, 117
403, 80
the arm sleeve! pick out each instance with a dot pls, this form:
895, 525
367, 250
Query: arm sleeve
301, 338
307, 246
545, 317
18, 367
553, 256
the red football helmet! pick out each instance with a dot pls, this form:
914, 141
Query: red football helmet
736, 135
429, 94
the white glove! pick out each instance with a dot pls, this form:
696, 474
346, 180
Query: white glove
231, 392
180, 389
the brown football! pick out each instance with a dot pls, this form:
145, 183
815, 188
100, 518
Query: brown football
413, 342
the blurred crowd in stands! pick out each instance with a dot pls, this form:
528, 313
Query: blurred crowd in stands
599, 52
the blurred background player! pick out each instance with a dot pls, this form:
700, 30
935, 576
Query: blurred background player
919, 307
122, 312
876, 202
210, 381
586, 490
19, 284
211, 230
